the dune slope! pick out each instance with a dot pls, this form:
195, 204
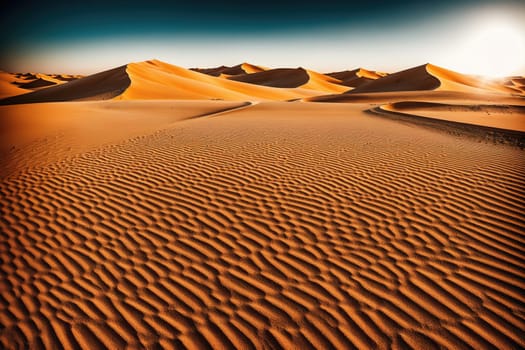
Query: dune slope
158, 80
431, 77
279, 77
413, 79
8, 87
293, 78
104, 85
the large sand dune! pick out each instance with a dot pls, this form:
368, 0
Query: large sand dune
215, 225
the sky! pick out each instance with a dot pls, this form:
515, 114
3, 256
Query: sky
485, 37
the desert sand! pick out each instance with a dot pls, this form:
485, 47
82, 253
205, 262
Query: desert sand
154, 217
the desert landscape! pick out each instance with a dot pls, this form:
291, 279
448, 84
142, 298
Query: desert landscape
246, 207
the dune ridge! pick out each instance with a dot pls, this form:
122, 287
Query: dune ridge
243, 68
356, 77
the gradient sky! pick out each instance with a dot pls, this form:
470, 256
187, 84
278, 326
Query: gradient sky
470, 36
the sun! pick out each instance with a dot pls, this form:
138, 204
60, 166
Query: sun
496, 48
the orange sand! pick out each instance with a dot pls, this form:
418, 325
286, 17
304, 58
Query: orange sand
163, 219
274, 225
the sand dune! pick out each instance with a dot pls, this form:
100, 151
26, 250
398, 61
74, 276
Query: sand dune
12, 84
7, 86
245, 82
517, 84
430, 77
279, 78
277, 225
104, 85
39, 83
243, 68
293, 78
356, 77
158, 80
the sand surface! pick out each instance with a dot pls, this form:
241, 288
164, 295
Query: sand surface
157, 80
273, 225
497, 116
12, 84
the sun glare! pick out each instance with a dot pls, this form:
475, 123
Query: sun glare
495, 48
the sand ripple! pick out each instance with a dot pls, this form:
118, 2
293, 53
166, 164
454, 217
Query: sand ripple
263, 229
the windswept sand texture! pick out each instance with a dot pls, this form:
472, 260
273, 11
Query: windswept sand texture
271, 225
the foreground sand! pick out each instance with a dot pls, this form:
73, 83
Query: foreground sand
277, 225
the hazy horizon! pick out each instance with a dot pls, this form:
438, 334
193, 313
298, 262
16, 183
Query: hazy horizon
473, 37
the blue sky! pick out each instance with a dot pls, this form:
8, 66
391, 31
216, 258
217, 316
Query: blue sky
471, 36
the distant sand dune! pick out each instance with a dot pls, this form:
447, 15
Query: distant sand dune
12, 84
430, 77
356, 77
158, 80
243, 68
104, 85
280, 77
274, 225
7, 88
245, 82
293, 78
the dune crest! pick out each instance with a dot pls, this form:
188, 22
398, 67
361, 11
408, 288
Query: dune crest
356, 77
